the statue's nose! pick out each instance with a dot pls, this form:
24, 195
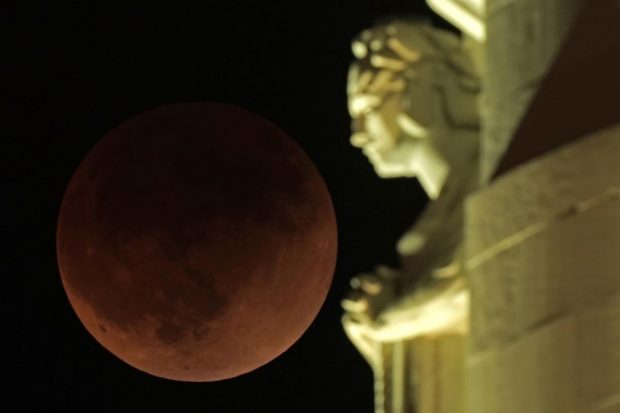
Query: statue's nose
359, 137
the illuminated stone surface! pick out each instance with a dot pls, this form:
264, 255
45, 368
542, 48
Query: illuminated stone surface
544, 279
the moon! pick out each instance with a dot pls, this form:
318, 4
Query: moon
196, 241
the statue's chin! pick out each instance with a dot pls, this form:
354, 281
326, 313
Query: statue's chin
388, 165
387, 170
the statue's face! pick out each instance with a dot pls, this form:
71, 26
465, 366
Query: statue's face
381, 89
374, 126
377, 115
405, 101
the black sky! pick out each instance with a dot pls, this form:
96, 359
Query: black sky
71, 71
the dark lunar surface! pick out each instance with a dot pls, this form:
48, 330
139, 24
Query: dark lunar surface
197, 241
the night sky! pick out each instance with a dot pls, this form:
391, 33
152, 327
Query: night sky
71, 71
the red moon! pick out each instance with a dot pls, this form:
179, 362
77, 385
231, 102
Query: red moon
196, 241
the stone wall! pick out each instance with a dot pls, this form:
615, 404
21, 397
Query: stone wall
542, 249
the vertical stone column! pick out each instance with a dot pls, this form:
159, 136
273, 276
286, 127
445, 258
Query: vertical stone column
523, 39
424, 374
437, 377
542, 248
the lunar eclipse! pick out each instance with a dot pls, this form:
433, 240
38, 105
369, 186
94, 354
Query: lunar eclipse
196, 241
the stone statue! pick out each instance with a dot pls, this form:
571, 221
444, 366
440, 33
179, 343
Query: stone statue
413, 99
535, 250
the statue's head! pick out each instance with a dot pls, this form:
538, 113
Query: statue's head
402, 90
